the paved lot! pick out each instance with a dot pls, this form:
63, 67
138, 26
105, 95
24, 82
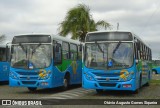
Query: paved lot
156, 76
7, 92
76, 92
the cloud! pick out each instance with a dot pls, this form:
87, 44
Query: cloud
23, 16
43, 16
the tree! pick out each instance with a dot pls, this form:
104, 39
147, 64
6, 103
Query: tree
79, 21
2, 38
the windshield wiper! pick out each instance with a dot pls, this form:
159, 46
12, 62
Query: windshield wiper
25, 50
99, 47
117, 47
34, 50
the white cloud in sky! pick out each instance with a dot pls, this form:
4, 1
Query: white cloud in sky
43, 16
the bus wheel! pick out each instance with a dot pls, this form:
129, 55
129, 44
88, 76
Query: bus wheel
99, 91
32, 89
65, 82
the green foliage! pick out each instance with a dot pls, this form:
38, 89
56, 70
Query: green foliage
2, 38
155, 81
79, 21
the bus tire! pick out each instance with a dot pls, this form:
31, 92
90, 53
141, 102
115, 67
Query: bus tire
99, 91
32, 89
66, 82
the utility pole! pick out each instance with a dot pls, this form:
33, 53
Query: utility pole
118, 26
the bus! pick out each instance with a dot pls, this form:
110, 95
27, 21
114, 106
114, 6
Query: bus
156, 66
45, 61
115, 60
4, 64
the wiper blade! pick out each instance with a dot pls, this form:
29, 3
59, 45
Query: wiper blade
25, 50
117, 47
34, 50
99, 47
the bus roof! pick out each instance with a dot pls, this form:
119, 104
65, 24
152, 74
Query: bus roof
115, 31
109, 31
53, 37
134, 35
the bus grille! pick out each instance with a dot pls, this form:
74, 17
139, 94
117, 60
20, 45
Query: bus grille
106, 75
27, 73
28, 82
108, 84
30, 78
105, 79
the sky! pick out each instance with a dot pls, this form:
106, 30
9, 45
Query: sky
141, 17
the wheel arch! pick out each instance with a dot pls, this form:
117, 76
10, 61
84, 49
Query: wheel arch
154, 70
67, 75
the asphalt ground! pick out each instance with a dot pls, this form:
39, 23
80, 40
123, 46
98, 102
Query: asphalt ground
77, 92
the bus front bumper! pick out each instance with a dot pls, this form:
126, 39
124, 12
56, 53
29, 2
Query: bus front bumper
127, 85
30, 83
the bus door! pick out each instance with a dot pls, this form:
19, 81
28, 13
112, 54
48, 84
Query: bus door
57, 52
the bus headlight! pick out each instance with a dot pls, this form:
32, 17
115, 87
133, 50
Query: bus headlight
88, 76
13, 75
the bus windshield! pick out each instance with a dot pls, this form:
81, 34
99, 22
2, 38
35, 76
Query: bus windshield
113, 55
30, 56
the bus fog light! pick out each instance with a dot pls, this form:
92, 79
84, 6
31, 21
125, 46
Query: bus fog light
127, 85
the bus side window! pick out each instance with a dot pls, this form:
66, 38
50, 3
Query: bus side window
57, 53
80, 52
73, 52
65, 50
141, 51
144, 53
2, 54
137, 50
150, 54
